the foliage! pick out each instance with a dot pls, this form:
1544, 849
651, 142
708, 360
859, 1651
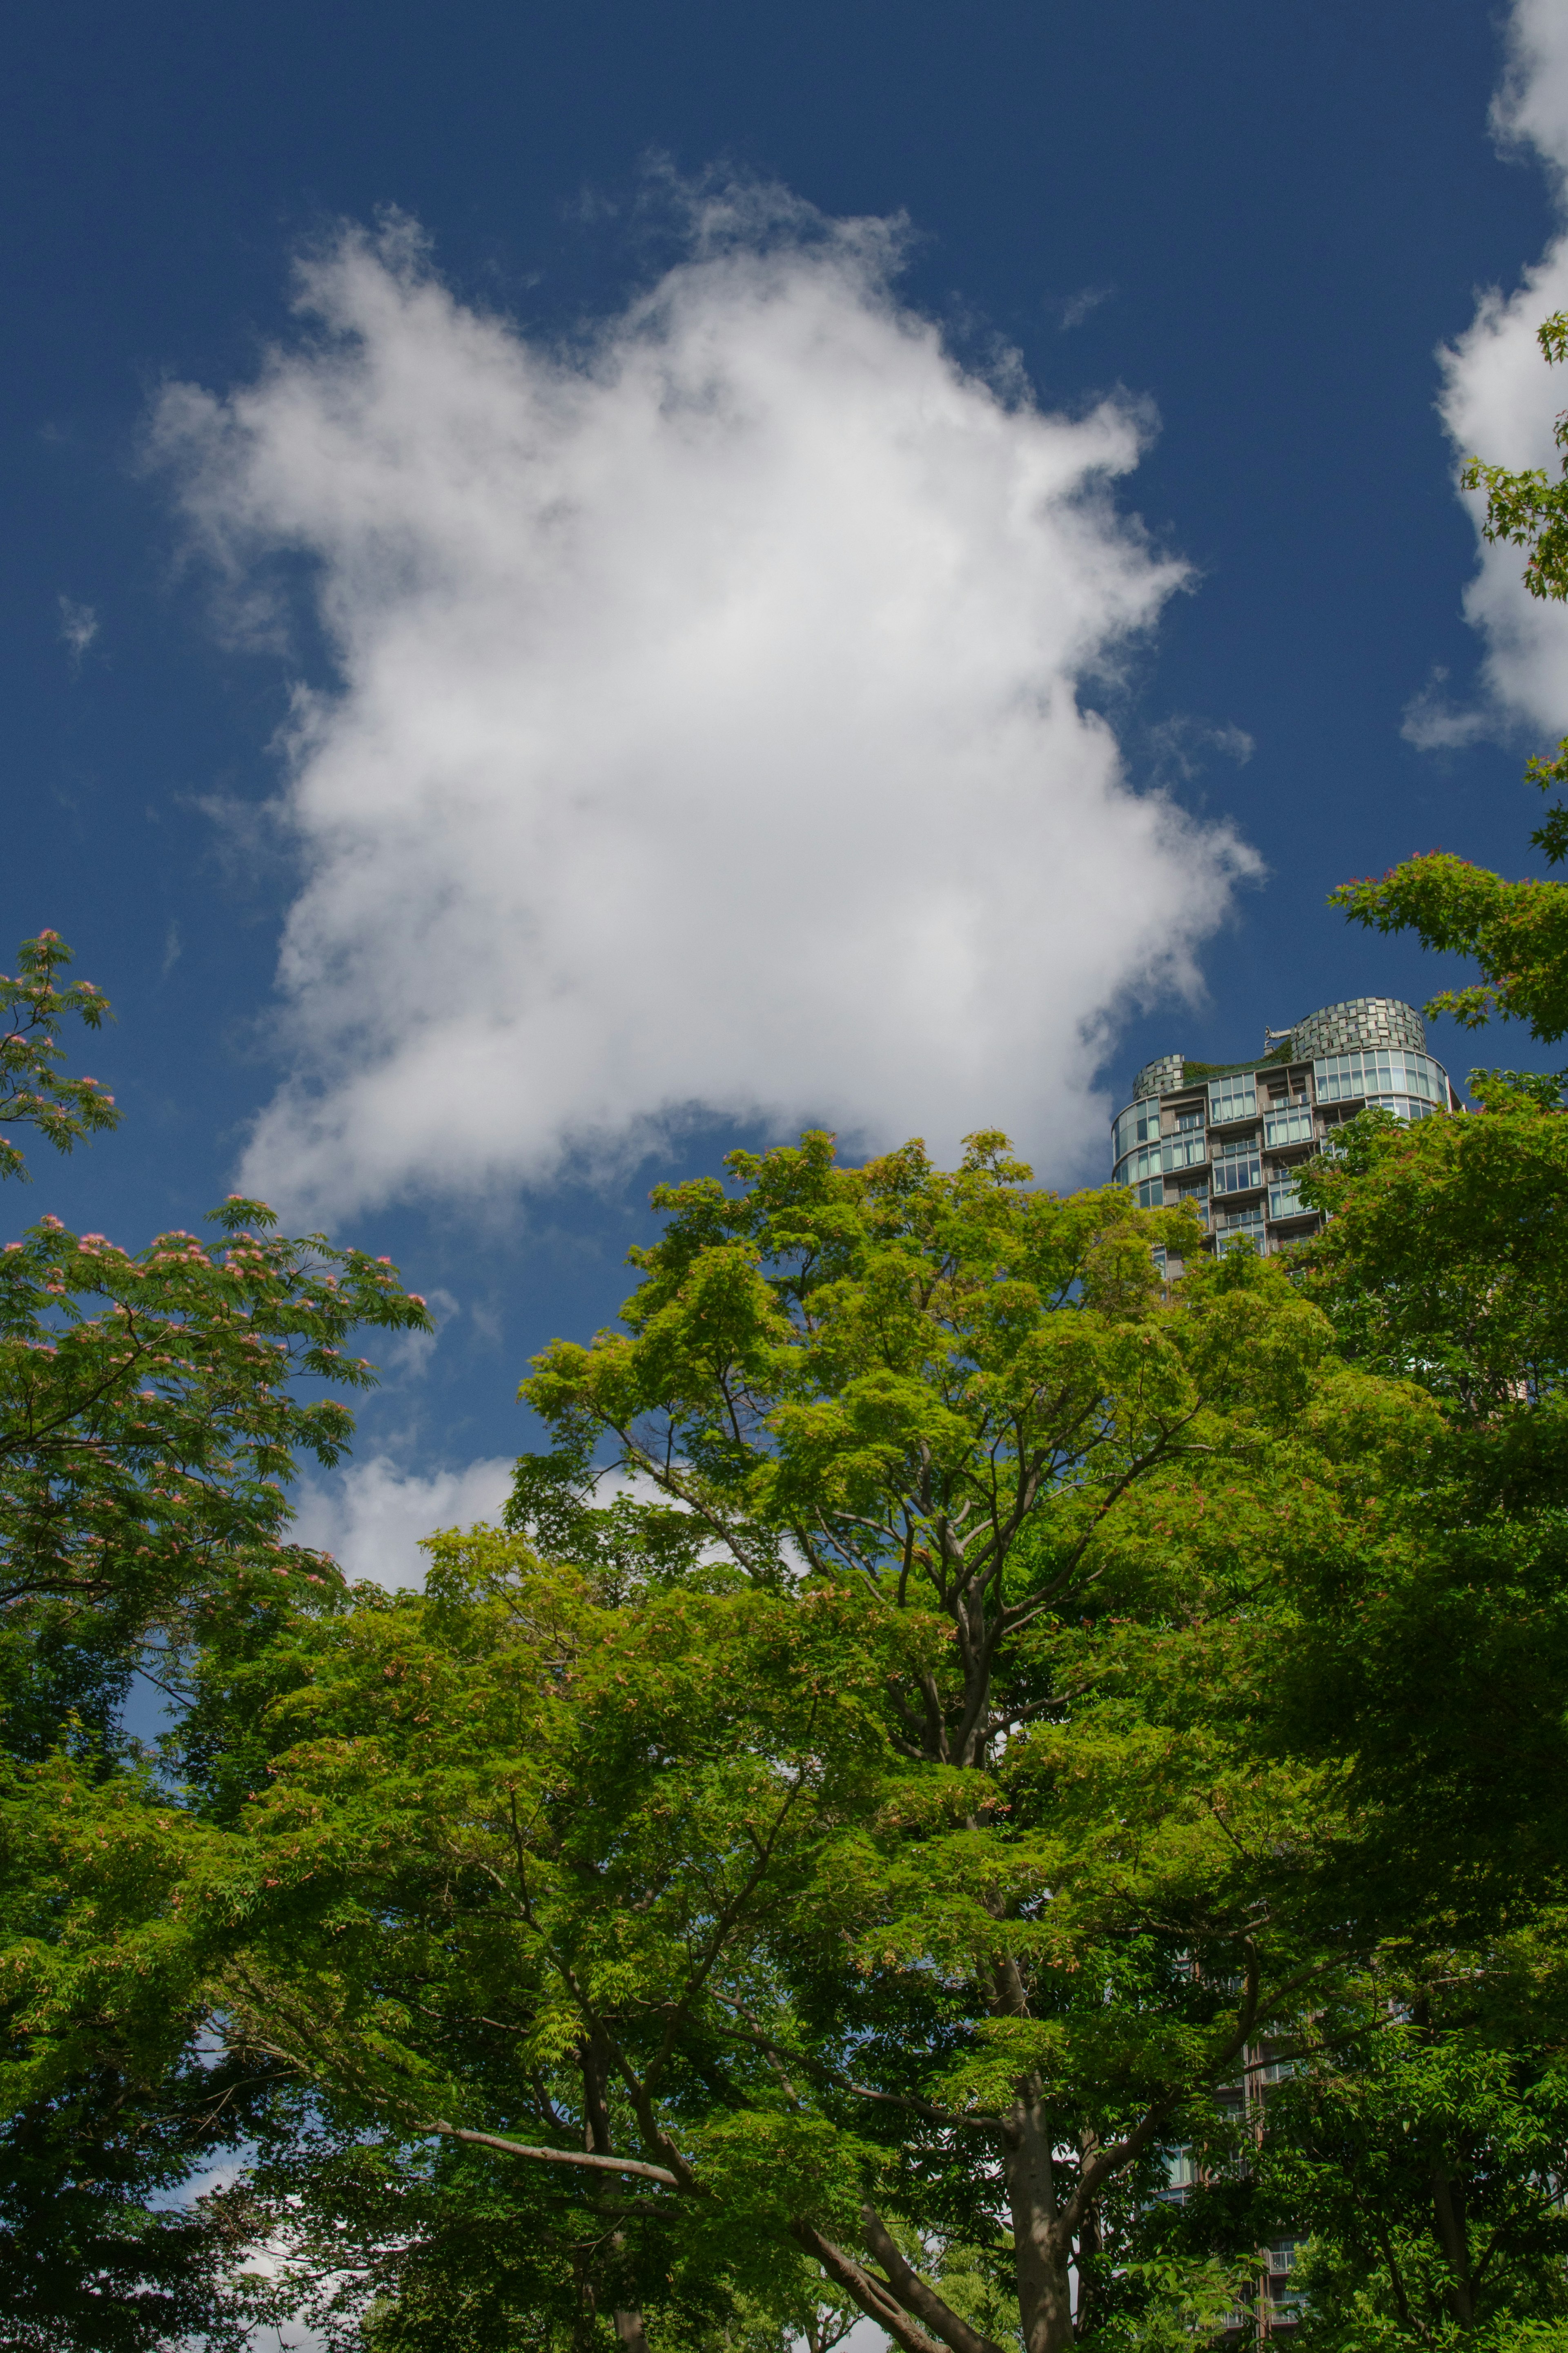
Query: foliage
147, 1430
1439, 1674
1516, 932
33, 1093
877, 1886
88, 2258
946, 1703
1425, 2162
1445, 1262
1530, 510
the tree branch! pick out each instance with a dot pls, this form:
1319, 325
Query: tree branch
580, 2157
872, 2295
916, 2296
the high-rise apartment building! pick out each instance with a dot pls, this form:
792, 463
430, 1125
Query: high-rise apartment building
1230, 1138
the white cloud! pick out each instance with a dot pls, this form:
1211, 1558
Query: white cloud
1500, 402
370, 1516
707, 732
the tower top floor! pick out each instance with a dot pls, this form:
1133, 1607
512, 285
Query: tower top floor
1230, 1138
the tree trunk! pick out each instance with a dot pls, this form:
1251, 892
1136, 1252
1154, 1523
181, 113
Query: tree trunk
1087, 2315
1449, 2203
596, 2114
1042, 2246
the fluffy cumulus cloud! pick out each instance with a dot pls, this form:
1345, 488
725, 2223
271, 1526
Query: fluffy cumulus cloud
706, 733
1500, 402
370, 1516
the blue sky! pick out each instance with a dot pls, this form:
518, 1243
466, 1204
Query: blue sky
864, 563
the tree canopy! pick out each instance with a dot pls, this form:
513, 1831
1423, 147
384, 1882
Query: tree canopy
977, 1787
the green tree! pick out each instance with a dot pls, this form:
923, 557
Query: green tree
148, 1430
869, 1864
1426, 2162
1439, 1671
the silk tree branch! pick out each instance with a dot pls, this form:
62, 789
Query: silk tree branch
588, 2160
948, 2117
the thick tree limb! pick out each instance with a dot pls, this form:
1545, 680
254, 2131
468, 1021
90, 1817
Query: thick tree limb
916, 2296
873, 2295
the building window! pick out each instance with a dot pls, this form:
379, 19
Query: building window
1231, 1098
1139, 1126
1288, 1127
1151, 1193
1285, 1201
1176, 1152
1374, 1071
1238, 1167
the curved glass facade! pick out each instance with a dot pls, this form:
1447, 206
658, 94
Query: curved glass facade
1135, 1125
1375, 1071
1172, 1152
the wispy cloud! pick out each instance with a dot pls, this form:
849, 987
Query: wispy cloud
78, 625
1434, 724
1183, 745
1075, 308
706, 733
